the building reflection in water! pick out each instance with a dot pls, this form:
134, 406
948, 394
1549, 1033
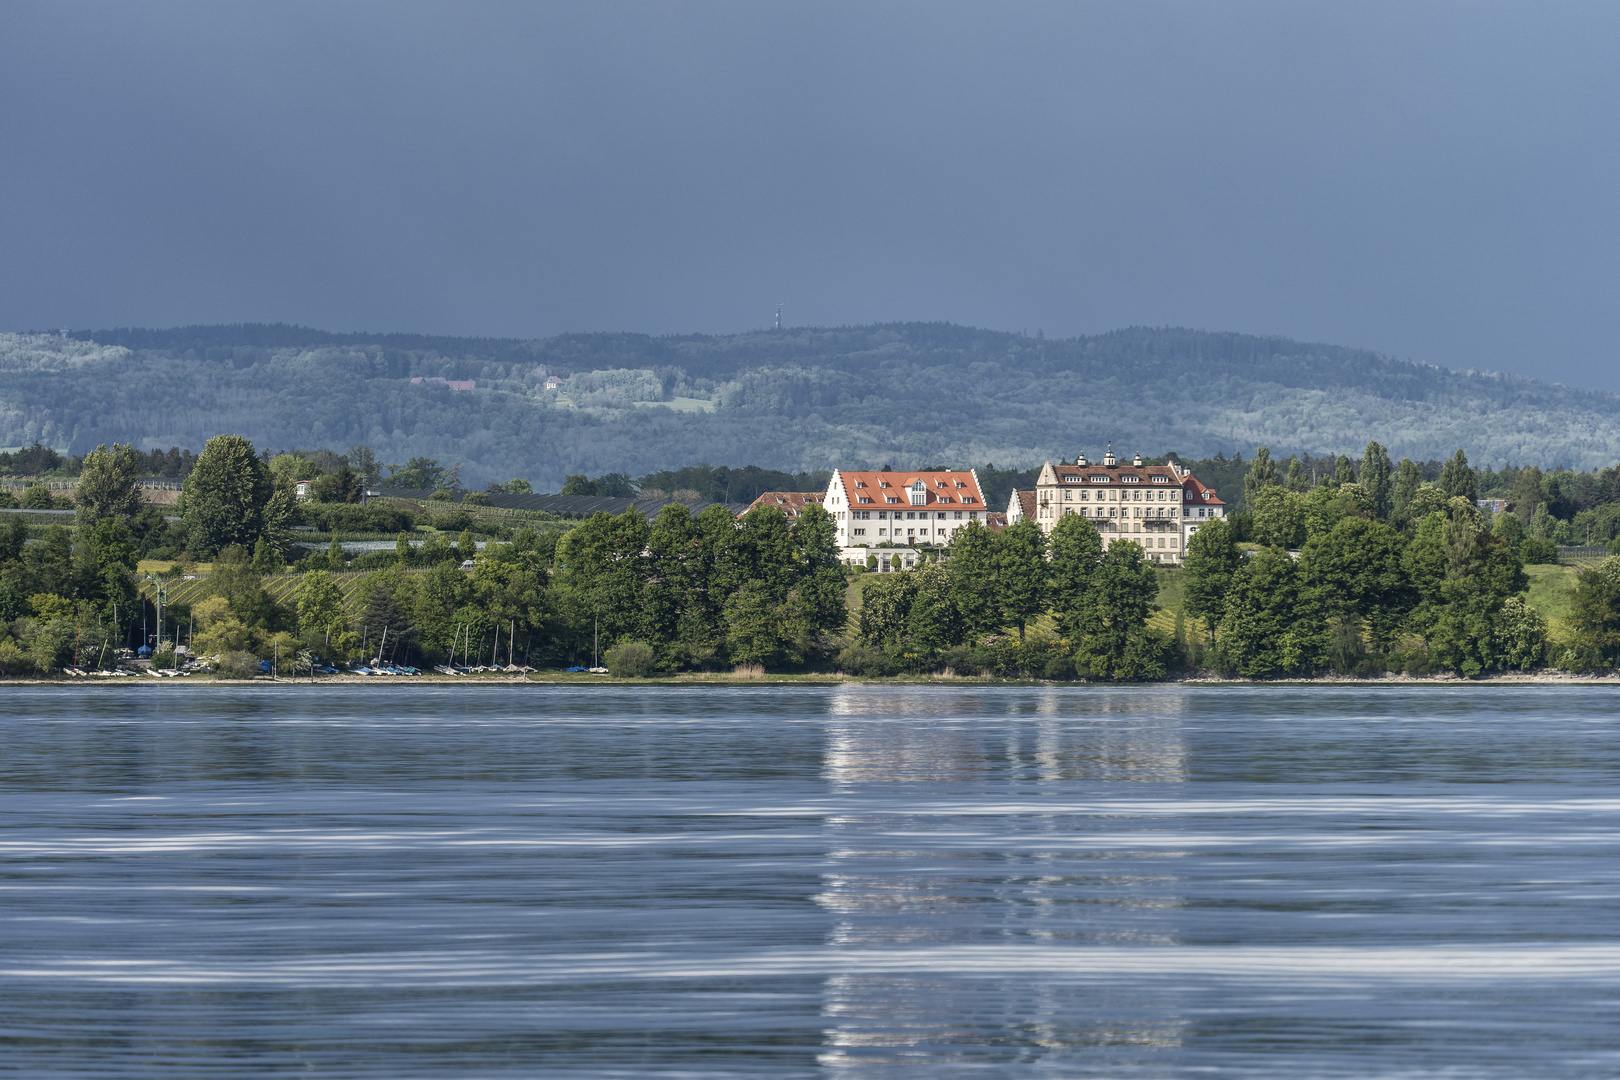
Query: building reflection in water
980, 823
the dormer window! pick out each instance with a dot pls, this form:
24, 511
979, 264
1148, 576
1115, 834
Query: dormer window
1161, 479
860, 483
1130, 479
883, 483
863, 498
1099, 479
919, 493
891, 498
1073, 478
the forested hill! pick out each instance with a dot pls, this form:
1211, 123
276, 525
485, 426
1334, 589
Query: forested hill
797, 399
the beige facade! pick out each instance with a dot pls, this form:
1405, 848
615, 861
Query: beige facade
1149, 505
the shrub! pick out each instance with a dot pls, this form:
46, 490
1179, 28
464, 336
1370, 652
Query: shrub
867, 660
475, 498
1059, 667
37, 497
238, 665
631, 660
966, 659
1536, 551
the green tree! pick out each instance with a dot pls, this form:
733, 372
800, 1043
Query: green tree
37, 497
107, 484
344, 485
1457, 478
363, 460
48, 565
1523, 635
1463, 577
320, 606
1212, 559
1358, 572
1019, 562
578, 484
1595, 615
265, 561
1262, 474
973, 581
1297, 480
1408, 478
1077, 552
1375, 479
418, 473
1271, 625
225, 496
1344, 472
1114, 638
1278, 517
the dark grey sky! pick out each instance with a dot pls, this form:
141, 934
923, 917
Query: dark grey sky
1437, 181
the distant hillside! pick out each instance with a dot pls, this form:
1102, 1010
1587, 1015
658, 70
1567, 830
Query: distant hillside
806, 399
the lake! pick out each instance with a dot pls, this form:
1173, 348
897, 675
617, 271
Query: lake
861, 881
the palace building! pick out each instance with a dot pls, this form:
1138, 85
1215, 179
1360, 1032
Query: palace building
1156, 506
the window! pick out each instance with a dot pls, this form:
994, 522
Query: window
945, 499
1098, 479
1200, 511
860, 483
891, 498
1161, 479
1067, 495
911, 514
959, 515
968, 499
1130, 479
1072, 479
1084, 495
866, 498
860, 532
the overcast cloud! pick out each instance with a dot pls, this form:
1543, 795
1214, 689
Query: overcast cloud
1436, 181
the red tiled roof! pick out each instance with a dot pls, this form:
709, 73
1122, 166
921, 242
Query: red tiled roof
994, 521
1026, 504
957, 490
1198, 493
791, 503
1114, 474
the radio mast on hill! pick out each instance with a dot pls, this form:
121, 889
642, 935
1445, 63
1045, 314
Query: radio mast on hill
779, 316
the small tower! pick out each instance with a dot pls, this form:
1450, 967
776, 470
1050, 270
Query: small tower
1137, 461
1109, 460
1081, 461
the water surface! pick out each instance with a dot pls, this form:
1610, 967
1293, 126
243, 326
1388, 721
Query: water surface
399, 881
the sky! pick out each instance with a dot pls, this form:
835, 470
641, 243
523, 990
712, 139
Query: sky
1435, 181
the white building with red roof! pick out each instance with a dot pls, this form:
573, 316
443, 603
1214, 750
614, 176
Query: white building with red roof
1156, 506
902, 509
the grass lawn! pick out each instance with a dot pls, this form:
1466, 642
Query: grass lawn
1551, 588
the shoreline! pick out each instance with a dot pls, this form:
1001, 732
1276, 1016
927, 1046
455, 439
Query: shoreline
723, 679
